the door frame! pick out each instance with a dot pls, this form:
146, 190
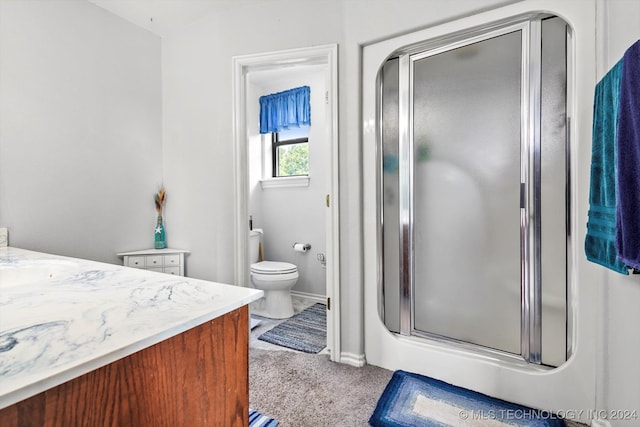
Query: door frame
552, 389
241, 66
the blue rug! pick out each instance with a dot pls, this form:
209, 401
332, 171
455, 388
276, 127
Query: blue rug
412, 400
306, 331
256, 419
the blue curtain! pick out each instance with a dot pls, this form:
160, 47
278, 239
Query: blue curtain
283, 110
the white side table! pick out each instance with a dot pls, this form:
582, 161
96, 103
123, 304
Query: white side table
170, 261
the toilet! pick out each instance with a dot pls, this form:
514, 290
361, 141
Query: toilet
275, 278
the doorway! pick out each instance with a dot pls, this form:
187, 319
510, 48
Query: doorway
283, 62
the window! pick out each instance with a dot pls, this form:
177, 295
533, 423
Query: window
290, 152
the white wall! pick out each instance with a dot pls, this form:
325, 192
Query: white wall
255, 152
619, 370
293, 214
80, 129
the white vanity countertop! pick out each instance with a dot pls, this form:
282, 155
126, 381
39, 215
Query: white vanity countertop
62, 317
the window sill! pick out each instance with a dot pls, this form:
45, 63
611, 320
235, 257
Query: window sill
283, 182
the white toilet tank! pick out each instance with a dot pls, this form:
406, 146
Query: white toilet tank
255, 236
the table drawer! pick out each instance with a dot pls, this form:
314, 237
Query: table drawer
172, 270
136, 261
172, 260
153, 261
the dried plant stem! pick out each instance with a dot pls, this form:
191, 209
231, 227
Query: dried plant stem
159, 199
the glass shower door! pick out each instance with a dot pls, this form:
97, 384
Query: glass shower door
474, 162
466, 137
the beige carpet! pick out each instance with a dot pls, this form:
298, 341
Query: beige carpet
300, 389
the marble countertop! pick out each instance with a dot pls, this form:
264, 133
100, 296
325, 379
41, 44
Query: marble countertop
62, 317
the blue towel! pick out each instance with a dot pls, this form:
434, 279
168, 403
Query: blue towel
628, 160
600, 242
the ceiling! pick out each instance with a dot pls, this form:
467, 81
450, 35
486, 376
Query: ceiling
163, 17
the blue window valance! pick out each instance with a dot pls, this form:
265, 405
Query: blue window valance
282, 110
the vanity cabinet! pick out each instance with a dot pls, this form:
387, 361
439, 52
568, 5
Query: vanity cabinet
170, 261
152, 350
197, 378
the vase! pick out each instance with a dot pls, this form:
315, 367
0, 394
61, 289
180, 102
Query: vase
159, 235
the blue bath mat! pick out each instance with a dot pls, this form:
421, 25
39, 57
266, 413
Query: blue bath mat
256, 419
306, 331
412, 400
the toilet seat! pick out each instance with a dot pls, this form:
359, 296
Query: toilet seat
273, 268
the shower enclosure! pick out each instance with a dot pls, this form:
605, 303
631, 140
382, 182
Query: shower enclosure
474, 188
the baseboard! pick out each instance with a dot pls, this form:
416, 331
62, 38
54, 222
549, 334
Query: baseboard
357, 360
598, 422
312, 297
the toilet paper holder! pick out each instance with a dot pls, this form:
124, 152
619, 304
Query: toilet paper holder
301, 247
